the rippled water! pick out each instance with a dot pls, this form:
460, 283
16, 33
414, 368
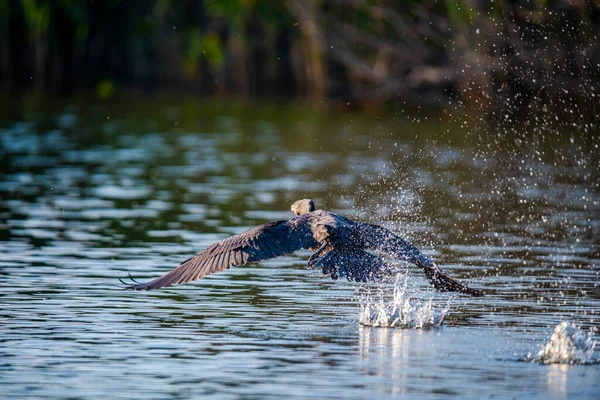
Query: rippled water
93, 191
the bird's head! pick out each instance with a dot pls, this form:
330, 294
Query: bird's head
303, 206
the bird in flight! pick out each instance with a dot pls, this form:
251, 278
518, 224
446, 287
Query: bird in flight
341, 247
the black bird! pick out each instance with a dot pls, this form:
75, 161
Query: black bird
341, 248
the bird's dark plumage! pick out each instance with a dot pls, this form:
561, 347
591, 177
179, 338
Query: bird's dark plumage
341, 248
260, 243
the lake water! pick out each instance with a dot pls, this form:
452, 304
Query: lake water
93, 191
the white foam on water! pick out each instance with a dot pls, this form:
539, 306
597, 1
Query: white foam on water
403, 311
568, 345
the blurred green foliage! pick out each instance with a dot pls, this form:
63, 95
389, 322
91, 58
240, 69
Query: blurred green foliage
360, 52
105, 89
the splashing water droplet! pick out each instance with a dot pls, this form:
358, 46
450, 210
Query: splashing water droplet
403, 311
568, 345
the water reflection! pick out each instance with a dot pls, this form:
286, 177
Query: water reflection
557, 381
386, 353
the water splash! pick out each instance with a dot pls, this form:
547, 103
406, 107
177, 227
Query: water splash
568, 345
403, 311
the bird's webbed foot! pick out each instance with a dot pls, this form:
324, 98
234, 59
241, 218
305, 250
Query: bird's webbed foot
313, 260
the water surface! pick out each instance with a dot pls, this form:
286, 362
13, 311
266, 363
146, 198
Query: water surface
91, 192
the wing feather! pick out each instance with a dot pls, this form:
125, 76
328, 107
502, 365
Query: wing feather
378, 238
260, 243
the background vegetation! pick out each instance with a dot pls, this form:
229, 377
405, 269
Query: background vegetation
509, 57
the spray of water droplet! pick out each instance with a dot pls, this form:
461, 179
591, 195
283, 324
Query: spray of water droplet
403, 311
568, 345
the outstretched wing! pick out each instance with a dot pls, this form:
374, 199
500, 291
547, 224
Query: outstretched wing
443, 283
260, 243
378, 238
